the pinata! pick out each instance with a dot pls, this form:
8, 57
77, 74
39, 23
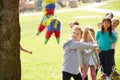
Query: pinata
49, 21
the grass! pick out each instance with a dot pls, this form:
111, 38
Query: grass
112, 5
46, 61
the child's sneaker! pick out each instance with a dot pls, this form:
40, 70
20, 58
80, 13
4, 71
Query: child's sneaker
103, 75
111, 76
108, 78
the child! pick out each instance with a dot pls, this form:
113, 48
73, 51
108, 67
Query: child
71, 56
110, 16
90, 60
105, 37
107, 15
115, 23
74, 23
25, 50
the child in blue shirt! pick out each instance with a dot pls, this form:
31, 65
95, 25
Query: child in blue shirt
105, 37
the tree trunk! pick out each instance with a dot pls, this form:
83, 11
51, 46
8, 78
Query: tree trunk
10, 64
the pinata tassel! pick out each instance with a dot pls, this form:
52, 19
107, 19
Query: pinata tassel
40, 29
57, 35
48, 35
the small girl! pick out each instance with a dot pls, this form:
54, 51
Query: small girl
115, 23
90, 60
105, 37
74, 23
72, 61
107, 15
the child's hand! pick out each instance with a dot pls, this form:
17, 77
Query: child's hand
82, 66
94, 49
95, 46
30, 52
98, 66
99, 51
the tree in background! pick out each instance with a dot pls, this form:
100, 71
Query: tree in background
10, 64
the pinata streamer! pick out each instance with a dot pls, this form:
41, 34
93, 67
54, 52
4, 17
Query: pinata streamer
49, 21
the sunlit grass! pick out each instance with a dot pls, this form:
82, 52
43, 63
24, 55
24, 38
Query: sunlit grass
112, 5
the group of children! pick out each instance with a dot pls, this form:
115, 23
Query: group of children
86, 50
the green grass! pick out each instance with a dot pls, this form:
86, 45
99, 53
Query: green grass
46, 61
112, 5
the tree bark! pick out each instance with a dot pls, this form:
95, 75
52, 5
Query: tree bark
10, 64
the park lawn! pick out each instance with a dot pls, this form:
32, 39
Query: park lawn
46, 61
113, 5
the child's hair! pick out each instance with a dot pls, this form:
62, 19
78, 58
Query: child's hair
109, 15
88, 28
78, 28
109, 28
74, 23
115, 20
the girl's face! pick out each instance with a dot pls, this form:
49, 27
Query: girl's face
89, 37
115, 24
106, 24
76, 34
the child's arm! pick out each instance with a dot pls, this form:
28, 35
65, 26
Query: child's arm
97, 57
97, 35
114, 38
89, 53
81, 45
25, 50
82, 66
80, 56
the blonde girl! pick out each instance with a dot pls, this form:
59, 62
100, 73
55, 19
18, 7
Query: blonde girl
90, 57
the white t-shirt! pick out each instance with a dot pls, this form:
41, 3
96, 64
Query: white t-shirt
116, 34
